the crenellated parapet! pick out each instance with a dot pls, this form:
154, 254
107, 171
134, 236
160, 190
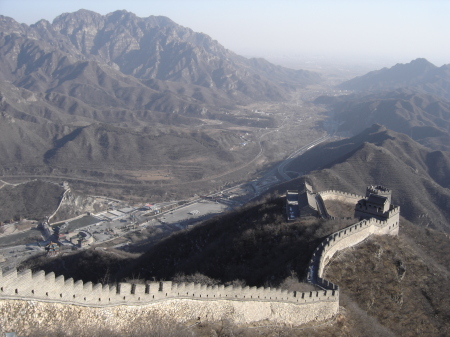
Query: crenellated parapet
49, 288
345, 238
329, 194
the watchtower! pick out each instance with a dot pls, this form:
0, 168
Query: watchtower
376, 204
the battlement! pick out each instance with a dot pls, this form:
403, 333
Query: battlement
326, 194
349, 237
377, 189
48, 287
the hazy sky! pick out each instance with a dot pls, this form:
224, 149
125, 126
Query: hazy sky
394, 30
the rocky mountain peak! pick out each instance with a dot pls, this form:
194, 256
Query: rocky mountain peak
10, 26
422, 62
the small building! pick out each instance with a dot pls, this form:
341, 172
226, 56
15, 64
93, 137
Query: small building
127, 210
52, 248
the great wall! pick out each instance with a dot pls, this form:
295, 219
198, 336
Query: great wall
25, 290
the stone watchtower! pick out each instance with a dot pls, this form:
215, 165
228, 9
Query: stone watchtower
376, 204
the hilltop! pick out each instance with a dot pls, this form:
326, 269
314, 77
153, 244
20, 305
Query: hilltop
396, 286
419, 75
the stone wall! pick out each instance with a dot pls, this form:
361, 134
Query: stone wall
346, 238
23, 316
46, 287
340, 196
185, 301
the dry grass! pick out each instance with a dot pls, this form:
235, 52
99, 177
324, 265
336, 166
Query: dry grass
340, 209
389, 281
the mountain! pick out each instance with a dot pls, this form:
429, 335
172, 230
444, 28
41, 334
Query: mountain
424, 117
417, 175
419, 74
108, 97
411, 98
85, 53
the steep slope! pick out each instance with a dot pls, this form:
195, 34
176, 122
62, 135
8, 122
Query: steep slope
37, 66
142, 46
418, 74
416, 174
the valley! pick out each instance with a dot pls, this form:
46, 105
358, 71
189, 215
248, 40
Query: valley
256, 147
146, 226
145, 165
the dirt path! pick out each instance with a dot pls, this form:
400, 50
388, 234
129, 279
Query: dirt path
5, 183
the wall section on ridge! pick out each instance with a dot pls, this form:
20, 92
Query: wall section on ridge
48, 288
189, 300
340, 196
348, 237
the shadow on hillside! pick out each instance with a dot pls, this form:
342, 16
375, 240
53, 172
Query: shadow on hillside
255, 246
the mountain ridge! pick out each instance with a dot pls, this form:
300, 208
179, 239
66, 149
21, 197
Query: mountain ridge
416, 175
423, 116
148, 48
148, 77
419, 74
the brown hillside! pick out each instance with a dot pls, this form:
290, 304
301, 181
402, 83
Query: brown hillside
401, 282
